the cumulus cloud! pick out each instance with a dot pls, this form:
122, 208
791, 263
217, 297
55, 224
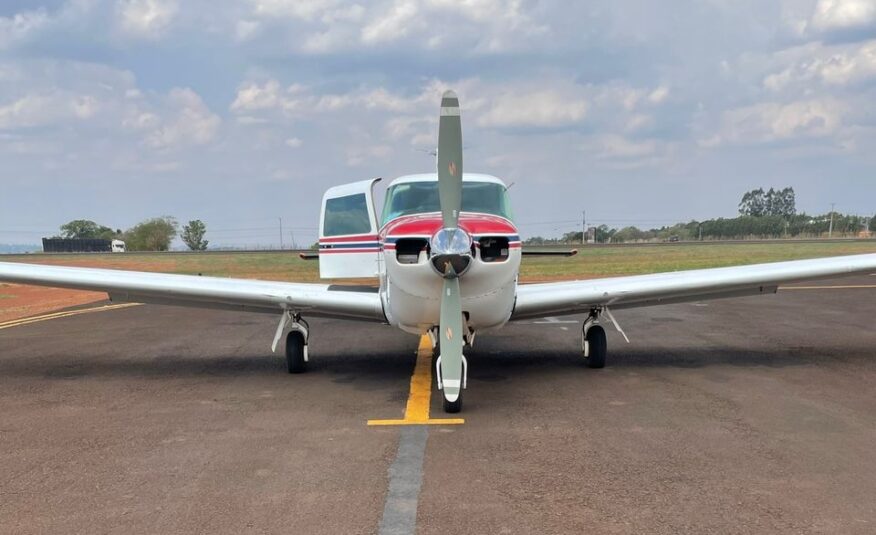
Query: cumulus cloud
837, 65
771, 122
329, 26
146, 18
191, 122
833, 15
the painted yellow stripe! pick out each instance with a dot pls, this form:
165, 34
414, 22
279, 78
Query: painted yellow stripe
58, 315
420, 397
852, 287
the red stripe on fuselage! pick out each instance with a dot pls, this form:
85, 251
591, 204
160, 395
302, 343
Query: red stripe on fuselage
429, 224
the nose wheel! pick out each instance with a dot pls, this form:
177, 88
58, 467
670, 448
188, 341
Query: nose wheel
453, 407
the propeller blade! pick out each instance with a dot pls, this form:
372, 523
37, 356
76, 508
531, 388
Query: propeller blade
450, 334
450, 159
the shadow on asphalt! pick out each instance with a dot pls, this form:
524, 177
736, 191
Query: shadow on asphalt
487, 364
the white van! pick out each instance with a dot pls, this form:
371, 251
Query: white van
118, 246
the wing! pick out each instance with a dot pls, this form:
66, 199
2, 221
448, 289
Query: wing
360, 303
558, 298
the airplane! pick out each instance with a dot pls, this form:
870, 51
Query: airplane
447, 256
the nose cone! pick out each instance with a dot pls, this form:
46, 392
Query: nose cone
451, 252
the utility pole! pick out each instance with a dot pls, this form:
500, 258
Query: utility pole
281, 232
584, 227
830, 229
292, 235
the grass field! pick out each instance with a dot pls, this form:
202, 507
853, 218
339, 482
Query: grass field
590, 262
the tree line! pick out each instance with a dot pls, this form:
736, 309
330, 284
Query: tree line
762, 214
155, 234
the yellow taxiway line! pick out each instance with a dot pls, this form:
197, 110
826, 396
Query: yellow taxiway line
57, 315
417, 409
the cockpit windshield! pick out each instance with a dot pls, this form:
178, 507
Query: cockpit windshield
422, 197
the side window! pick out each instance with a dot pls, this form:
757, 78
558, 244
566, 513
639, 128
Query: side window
346, 215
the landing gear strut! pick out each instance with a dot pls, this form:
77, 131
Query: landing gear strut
594, 344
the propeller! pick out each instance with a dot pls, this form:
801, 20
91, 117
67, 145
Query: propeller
451, 250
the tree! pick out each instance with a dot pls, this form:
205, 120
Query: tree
756, 203
753, 203
784, 203
152, 235
873, 224
193, 235
86, 229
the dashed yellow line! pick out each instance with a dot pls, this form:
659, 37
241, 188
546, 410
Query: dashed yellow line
58, 315
420, 397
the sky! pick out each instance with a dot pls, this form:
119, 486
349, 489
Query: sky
241, 113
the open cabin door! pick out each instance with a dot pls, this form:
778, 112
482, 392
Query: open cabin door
348, 243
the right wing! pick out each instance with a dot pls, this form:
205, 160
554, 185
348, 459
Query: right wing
321, 300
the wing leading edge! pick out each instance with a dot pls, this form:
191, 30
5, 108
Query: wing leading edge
318, 300
558, 298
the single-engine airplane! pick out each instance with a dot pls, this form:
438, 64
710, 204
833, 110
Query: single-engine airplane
447, 255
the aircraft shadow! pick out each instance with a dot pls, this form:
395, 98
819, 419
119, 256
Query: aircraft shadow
486, 364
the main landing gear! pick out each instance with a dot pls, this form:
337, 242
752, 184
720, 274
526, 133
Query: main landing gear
296, 341
296, 350
593, 342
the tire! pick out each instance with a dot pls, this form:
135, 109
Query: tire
453, 407
295, 352
598, 347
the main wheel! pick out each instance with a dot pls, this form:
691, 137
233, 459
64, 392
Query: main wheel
295, 352
452, 407
598, 347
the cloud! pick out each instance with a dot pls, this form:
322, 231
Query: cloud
147, 19
392, 25
297, 100
21, 26
771, 122
836, 65
191, 122
299, 9
293, 142
834, 15
328, 26
44, 109
545, 108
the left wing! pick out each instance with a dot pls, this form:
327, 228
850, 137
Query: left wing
321, 300
558, 298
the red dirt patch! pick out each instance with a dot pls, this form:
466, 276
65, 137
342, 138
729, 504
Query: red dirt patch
18, 301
